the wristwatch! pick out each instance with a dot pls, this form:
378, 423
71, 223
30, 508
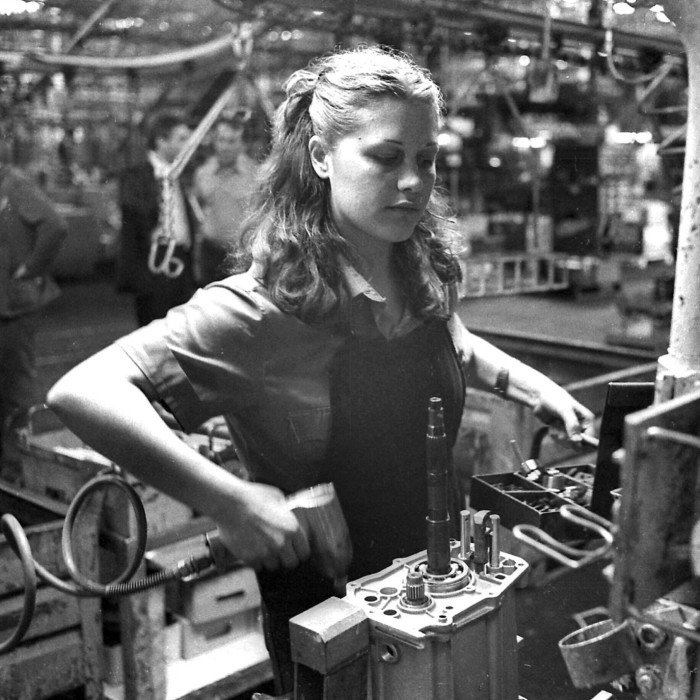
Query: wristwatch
501, 384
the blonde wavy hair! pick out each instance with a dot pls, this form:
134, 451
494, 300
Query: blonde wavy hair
290, 232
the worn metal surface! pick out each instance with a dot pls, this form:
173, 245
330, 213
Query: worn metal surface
329, 635
659, 506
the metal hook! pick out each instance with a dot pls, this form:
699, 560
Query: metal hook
569, 556
170, 265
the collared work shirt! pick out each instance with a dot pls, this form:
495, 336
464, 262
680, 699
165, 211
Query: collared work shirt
230, 351
224, 193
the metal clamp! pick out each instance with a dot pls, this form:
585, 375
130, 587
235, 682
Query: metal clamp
571, 557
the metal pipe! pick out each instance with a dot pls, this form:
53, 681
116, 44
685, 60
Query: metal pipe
438, 518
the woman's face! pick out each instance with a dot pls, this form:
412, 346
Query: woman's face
382, 173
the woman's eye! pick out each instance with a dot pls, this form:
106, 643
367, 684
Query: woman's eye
386, 158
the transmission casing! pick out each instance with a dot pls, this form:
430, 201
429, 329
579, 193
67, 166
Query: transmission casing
455, 640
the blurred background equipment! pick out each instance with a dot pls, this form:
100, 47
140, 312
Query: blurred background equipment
566, 133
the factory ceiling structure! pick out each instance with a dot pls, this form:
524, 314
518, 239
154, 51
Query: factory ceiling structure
186, 38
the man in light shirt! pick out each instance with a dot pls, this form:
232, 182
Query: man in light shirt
222, 187
144, 223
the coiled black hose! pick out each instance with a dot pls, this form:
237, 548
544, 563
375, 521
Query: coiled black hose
81, 586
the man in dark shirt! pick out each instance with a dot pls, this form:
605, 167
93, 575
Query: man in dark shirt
143, 221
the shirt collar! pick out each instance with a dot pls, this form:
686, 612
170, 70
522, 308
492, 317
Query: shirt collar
357, 284
232, 169
370, 318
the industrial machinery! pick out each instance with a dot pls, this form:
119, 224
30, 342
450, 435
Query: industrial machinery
647, 646
437, 625
440, 624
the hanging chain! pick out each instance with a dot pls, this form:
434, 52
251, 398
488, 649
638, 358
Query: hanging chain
161, 257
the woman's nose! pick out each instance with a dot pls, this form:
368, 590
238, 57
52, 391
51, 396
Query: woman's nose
410, 179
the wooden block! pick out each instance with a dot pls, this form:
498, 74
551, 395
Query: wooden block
42, 669
142, 619
57, 464
54, 612
202, 638
45, 542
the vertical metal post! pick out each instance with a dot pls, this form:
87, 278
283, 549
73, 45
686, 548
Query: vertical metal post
678, 372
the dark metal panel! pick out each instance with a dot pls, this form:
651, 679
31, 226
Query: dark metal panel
659, 505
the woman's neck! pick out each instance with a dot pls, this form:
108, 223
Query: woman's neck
376, 267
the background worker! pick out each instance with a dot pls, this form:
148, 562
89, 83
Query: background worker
31, 234
222, 186
324, 350
140, 194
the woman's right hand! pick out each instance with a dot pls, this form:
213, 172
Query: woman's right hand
262, 531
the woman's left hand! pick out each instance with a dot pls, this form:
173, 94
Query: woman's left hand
557, 408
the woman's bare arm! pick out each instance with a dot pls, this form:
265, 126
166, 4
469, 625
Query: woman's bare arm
107, 402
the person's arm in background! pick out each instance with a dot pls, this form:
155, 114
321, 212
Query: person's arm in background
498, 371
107, 402
48, 226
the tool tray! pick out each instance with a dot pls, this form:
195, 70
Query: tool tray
521, 500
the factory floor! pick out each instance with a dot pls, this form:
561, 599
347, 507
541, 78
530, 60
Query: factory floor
89, 315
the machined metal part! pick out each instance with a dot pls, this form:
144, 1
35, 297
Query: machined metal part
331, 640
495, 549
599, 653
438, 518
465, 534
459, 643
441, 622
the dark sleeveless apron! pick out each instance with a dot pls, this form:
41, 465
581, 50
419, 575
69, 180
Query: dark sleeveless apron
376, 459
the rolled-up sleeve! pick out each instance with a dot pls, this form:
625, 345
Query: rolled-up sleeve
206, 357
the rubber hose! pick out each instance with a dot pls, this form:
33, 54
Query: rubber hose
17, 539
99, 482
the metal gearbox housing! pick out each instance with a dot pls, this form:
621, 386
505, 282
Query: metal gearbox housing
454, 640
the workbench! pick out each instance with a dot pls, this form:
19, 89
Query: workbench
149, 661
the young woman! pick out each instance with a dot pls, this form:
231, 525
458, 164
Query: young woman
324, 351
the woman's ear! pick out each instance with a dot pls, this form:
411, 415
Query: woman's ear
319, 157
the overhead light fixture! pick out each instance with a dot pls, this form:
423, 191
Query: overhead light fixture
623, 8
16, 7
